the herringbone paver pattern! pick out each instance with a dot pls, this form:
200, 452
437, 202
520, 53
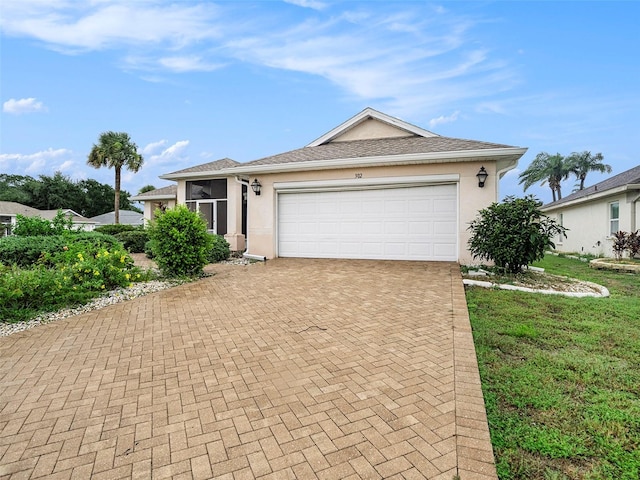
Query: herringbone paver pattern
290, 369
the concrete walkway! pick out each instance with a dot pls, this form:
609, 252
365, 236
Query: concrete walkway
290, 369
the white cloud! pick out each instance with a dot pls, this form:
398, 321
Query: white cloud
313, 4
444, 119
66, 165
97, 25
188, 64
153, 147
34, 163
24, 105
173, 154
414, 58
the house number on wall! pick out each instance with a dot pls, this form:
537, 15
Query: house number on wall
358, 175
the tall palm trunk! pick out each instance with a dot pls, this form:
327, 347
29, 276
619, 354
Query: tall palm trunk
116, 206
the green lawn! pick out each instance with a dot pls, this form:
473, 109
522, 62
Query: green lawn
561, 377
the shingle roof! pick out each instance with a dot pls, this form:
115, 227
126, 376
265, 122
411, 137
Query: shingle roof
163, 191
15, 208
375, 148
209, 167
627, 177
127, 217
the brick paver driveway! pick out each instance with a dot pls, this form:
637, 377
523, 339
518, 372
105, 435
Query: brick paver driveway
289, 369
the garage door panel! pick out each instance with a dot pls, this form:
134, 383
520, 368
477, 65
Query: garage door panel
417, 223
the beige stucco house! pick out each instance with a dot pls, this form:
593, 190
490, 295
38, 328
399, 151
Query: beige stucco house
593, 214
374, 187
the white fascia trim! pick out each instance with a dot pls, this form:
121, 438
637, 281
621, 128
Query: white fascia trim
365, 183
157, 197
370, 113
413, 158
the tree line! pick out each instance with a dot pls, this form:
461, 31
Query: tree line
553, 169
86, 197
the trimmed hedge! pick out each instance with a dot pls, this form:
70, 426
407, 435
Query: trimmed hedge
133, 240
27, 251
115, 229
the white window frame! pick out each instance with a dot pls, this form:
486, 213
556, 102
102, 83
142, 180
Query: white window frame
614, 220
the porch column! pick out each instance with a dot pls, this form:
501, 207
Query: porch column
234, 216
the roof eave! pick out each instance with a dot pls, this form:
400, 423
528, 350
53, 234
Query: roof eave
154, 197
509, 155
590, 197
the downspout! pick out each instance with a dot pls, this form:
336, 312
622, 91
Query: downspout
246, 254
634, 204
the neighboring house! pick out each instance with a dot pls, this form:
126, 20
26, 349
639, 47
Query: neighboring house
374, 187
127, 217
158, 199
593, 214
10, 210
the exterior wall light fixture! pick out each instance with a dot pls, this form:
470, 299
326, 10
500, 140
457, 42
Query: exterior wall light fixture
482, 177
255, 186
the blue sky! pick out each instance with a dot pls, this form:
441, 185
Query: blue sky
194, 81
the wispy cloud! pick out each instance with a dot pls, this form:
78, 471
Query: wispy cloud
35, 163
23, 105
444, 119
412, 58
313, 4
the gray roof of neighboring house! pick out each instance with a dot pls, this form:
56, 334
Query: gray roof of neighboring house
15, 208
376, 148
627, 177
168, 191
127, 217
221, 164
75, 217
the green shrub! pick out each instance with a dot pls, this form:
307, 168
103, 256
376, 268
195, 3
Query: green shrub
134, 240
180, 242
26, 251
148, 249
75, 277
220, 250
115, 229
35, 226
513, 233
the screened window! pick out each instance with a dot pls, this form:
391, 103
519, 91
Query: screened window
207, 189
614, 217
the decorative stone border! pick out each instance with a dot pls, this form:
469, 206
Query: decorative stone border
604, 292
607, 264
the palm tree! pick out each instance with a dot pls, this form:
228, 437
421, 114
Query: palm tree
581, 163
115, 150
545, 168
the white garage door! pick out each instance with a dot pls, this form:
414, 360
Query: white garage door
414, 223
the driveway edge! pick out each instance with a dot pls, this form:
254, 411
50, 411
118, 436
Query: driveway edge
473, 443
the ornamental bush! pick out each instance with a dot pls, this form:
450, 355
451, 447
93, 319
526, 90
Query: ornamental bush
26, 251
513, 234
32, 226
220, 250
115, 229
134, 240
65, 278
180, 242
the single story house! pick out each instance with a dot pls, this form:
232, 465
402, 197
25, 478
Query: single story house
158, 199
127, 217
593, 214
10, 210
374, 187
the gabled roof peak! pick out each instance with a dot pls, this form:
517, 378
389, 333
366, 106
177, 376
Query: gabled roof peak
371, 114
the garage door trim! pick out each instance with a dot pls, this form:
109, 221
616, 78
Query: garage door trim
364, 183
